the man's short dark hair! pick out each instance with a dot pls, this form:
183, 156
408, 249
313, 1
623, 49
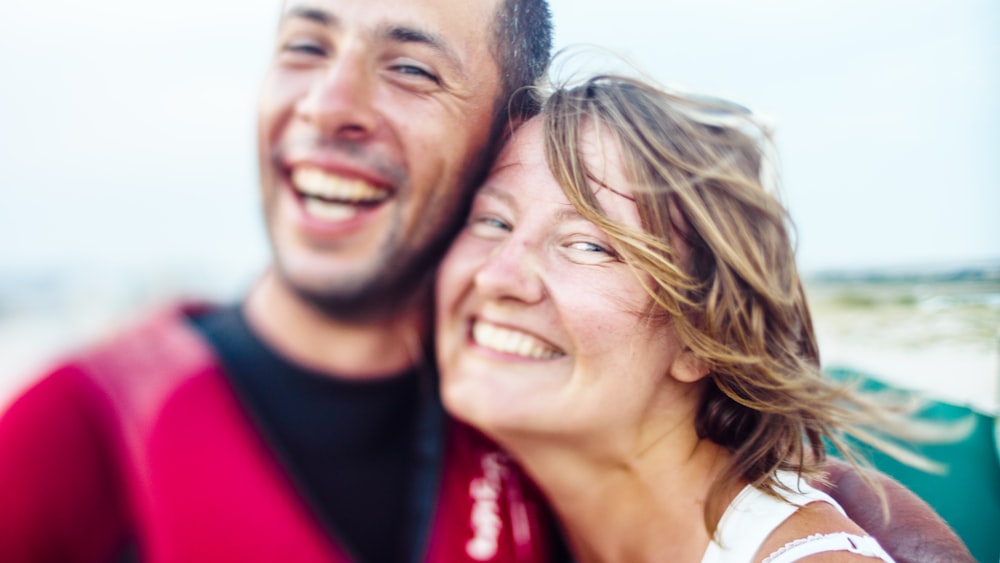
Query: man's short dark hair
522, 46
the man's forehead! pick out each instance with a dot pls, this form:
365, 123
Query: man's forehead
469, 11
453, 27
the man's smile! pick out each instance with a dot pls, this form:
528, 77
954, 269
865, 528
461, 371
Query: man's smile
332, 197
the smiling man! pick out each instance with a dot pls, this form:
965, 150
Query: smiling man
370, 129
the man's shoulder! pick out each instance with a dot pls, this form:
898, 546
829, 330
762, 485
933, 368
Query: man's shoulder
159, 348
120, 377
159, 338
134, 370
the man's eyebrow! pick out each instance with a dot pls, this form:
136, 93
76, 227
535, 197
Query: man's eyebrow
408, 34
317, 15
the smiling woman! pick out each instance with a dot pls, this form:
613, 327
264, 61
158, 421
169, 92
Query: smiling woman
623, 313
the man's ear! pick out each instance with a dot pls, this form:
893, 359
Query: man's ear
687, 367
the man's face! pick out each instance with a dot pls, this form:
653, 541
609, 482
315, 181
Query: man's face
374, 117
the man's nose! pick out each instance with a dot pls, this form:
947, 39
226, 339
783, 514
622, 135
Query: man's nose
511, 272
340, 101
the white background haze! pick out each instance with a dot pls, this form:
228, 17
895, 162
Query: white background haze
126, 130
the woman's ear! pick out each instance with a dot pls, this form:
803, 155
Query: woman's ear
688, 368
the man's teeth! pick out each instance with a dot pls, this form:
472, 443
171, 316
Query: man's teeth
512, 342
328, 211
313, 182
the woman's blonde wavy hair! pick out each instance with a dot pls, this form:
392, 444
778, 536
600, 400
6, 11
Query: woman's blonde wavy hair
733, 295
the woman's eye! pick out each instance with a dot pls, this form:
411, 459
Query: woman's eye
488, 226
587, 252
590, 247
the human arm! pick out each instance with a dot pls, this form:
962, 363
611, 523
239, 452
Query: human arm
913, 532
58, 483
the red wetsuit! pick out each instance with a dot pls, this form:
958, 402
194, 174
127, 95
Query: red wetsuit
142, 441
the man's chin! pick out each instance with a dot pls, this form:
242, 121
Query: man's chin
371, 299
343, 305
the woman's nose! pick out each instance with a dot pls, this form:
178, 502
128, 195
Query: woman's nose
511, 272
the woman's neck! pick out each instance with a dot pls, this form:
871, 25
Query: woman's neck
647, 504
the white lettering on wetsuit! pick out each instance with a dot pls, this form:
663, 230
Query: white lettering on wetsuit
485, 518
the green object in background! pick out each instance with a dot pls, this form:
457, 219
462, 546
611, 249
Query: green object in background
967, 495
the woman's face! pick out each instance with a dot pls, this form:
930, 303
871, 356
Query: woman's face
540, 325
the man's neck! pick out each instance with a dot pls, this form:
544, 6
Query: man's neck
354, 350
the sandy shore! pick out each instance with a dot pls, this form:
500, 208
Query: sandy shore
943, 339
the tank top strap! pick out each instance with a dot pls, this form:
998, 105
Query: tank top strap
822, 543
754, 514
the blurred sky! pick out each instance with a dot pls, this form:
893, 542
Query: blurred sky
127, 129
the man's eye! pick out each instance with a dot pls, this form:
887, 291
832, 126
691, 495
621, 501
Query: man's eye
305, 48
418, 72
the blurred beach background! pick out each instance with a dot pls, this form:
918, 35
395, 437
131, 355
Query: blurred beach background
128, 174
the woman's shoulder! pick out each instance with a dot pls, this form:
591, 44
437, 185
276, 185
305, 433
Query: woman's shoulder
820, 530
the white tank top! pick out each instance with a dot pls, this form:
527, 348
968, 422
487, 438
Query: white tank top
753, 515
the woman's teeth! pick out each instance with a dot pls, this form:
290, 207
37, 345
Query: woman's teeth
512, 342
